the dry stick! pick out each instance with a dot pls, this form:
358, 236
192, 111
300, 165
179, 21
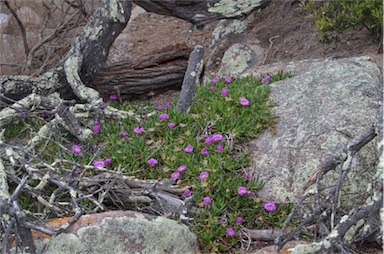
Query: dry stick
191, 77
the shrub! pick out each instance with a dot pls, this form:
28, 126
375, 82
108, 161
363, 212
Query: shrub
333, 17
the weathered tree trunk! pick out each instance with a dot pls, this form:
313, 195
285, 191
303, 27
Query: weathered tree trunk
154, 73
202, 12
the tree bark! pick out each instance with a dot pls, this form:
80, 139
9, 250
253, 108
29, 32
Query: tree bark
154, 73
202, 12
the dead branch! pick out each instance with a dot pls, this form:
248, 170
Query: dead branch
339, 231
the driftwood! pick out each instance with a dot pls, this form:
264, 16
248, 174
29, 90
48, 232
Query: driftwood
151, 74
191, 78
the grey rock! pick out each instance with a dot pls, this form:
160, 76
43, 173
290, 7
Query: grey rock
121, 232
237, 59
325, 105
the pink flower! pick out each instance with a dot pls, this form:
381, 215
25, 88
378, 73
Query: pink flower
207, 200
182, 168
175, 175
215, 79
270, 207
228, 79
265, 79
171, 125
187, 192
189, 149
76, 149
220, 148
208, 140
242, 190
244, 101
217, 137
96, 123
224, 91
98, 164
123, 133
239, 220
138, 130
163, 117
167, 105
230, 231
103, 104
152, 161
203, 175
159, 107
212, 88
113, 97
248, 176
96, 128
204, 151
107, 161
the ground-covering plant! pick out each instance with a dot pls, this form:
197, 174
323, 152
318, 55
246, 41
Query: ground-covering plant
197, 150
333, 17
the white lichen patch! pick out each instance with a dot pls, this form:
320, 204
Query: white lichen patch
349, 235
233, 8
93, 33
193, 74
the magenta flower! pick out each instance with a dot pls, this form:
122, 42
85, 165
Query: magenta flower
208, 140
203, 175
182, 168
248, 176
113, 97
228, 79
167, 105
163, 117
152, 162
96, 123
239, 220
212, 88
224, 91
265, 79
24, 116
123, 133
159, 107
103, 104
270, 207
76, 149
244, 101
187, 192
96, 128
207, 200
175, 175
220, 148
189, 149
98, 164
107, 161
242, 190
138, 130
215, 79
230, 231
204, 151
217, 137
171, 125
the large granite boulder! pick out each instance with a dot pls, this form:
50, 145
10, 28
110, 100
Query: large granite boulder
120, 232
326, 104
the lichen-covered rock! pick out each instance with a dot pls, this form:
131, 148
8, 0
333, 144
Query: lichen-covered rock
325, 105
121, 232
237, 60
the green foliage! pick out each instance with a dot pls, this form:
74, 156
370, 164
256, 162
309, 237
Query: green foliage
211, 113
333, 17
